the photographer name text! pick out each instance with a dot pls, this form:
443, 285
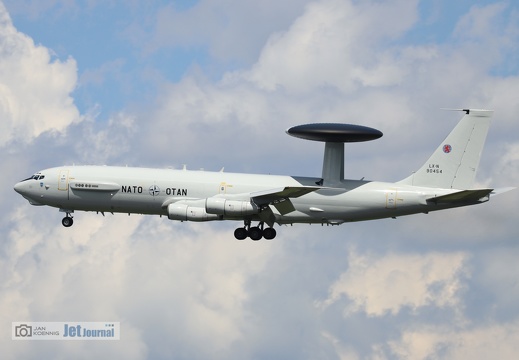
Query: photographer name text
65, 330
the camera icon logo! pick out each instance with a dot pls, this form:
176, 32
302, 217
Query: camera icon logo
23, 330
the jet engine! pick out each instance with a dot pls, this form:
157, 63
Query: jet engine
184, 212
221, 206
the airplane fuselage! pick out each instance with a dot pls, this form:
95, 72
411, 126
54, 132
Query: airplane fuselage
444, 181
150, 191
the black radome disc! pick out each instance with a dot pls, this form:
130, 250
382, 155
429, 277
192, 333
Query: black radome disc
332, 132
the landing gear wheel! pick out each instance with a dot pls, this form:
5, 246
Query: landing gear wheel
255, 233
240, 233
269, 233
67, 221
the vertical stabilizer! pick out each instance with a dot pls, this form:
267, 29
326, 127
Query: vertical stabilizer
454, 163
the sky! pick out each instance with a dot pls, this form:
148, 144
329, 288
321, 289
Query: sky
214, 84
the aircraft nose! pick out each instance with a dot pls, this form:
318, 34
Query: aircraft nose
19, 188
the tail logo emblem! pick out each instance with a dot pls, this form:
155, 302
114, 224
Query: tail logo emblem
447, 149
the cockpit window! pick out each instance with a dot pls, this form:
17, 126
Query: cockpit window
35, 177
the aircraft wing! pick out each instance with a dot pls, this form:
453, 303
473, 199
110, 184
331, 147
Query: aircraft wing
273, 195
280, 197
464, 196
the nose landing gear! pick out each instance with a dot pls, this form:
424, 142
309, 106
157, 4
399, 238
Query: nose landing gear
254, 232
67, 221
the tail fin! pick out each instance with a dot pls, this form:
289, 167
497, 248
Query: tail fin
454, 163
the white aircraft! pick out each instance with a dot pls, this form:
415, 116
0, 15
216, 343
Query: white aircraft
444, 181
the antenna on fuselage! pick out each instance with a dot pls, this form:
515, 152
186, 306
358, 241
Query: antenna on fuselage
334, 136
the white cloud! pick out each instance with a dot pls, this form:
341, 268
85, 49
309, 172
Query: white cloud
104, 144
484, 342
34, 88
233, 30
387, 284
331, 64
328, 46
508, 165
146, 272
190, 290
480, 22
98, 76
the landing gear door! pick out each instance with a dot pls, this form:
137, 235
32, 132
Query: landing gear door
63, 180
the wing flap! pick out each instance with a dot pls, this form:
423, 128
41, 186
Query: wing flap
284, 207
280, 197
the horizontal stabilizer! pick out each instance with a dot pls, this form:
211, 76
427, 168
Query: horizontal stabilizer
465, 196
502, 190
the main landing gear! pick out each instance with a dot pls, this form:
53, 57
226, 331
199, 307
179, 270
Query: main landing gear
254, 232
67, 221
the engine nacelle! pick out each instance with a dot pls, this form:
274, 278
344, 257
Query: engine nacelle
221, 206
184, 212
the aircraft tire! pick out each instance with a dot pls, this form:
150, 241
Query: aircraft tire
240, 233
67, 221
269, 233
255, 233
